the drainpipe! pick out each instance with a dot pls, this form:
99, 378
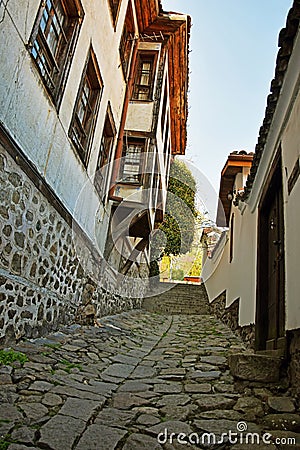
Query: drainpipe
119, 149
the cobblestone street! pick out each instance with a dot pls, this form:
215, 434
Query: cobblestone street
123, 384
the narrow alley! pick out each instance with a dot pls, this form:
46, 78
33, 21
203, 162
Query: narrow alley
140, 380
98, 351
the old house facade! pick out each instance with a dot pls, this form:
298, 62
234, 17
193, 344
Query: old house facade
254, 270
93, 103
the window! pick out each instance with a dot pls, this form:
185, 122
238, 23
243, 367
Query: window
53, 41
126, 40
114, 7
132, 161
106, 145
86, 107
143, 85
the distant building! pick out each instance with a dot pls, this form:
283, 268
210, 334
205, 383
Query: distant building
93, 105
255, 272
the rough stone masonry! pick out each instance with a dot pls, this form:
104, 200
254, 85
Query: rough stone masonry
41, 275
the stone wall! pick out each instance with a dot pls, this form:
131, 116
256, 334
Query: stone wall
42, 274
293, 338
230, 316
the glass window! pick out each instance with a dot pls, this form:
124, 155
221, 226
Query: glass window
53, 40
86, 108
132, 164
126, 42
105, 150
143, 85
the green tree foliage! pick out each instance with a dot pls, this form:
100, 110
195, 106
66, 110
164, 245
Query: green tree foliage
178, 274
179, 221
195, 270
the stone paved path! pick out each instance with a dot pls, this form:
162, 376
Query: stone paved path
133, 381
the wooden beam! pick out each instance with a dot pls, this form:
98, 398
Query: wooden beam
134, 255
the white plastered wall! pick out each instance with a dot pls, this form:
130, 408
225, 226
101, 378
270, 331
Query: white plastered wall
290, 153
237, 277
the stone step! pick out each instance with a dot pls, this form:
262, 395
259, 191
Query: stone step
178, 299
280, 352
256, 367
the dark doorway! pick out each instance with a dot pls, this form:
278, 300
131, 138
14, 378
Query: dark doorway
270, 308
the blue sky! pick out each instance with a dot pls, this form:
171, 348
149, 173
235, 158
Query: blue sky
232, 63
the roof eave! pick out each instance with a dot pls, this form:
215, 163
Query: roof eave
176, 27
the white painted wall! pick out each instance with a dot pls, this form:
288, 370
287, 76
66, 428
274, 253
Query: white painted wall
215, 270
237, 277
290, 153
140, 116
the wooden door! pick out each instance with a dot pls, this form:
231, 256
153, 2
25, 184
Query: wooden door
275, 293
270, 314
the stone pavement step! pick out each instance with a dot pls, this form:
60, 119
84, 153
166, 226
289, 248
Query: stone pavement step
140, 381
256, 367
178, 299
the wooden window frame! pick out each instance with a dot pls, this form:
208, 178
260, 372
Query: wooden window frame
105, 153
139, 88
53, 41
126, 42
134, 176
86, 108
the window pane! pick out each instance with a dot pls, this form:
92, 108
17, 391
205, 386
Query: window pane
86, 89
60, 15
145, 74
102, 168
143, 93
84, 115
55, 27
106, 143
44, 20
144, 77
52, 40
81, 111
132, 163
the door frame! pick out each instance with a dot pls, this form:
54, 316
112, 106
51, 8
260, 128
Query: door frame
261, 329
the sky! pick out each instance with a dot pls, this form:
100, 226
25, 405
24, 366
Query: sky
232, 62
